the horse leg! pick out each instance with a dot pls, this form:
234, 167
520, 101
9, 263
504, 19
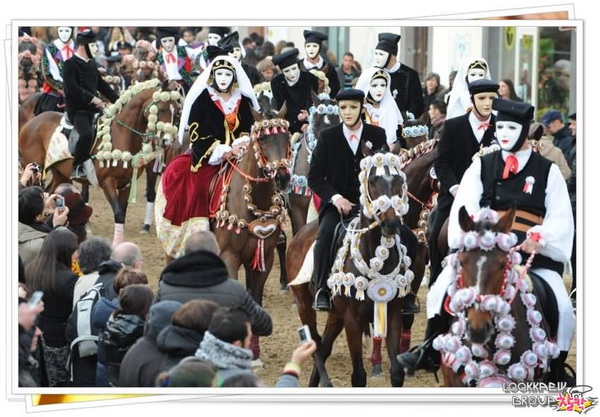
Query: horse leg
354, 330
151, 178
114, 198
393, 344
299, 211
333, 328
85, 192
281, 248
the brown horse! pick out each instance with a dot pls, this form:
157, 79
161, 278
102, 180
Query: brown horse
496, 317
323, 113
364, 291
131, 135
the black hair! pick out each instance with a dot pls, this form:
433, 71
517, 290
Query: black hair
31, 204
229, 324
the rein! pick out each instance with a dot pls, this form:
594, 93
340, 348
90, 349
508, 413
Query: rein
244, 175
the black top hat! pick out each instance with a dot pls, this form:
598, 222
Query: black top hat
310, 36
286, 59
85, 37
230, 41
388, 42
483, 85
214, 51
221, 31
351, 94
513, 111
166, 32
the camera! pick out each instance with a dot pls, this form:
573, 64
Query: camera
304, 334
35, 299
36, 168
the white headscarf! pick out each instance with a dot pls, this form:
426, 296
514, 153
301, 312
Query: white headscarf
244, 86
389, 114
460, 98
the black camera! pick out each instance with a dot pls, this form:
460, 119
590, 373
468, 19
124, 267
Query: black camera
36, 168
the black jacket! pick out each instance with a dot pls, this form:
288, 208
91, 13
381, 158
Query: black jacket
82, 82
297, 97
406, 89
203, 275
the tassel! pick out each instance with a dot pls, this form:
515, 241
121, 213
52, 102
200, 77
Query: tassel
380, 319
115, 162
258, 262
133, 190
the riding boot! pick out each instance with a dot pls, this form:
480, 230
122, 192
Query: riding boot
425, 356
410, 305
322, 296
558, 371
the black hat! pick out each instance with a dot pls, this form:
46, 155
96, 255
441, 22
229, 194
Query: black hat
286, 59
230, 41
483, 85
221, 31
166, 32
310, 36
573, 116
513, 111
388, 42
85, 37
351, 94
214, 51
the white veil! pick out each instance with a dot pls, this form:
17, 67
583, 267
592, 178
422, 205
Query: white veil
460, 99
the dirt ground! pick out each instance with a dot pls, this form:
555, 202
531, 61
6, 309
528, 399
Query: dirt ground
276, 349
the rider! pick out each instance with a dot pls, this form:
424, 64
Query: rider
217, 116
53, 58
175, 61
471, 70
516, 176
82, 84
461, 139
333, 176
233, 41
405, 86
294, 87
313, 42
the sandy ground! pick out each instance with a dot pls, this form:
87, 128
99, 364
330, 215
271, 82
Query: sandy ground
276, 349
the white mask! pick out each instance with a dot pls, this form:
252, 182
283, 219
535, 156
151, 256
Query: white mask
475, 74
380, 58
236, 54
93, 48
507, 134
213, 39
377, 88
168, 43
483, 103
291, 73
65, 33
223, 79
312, 50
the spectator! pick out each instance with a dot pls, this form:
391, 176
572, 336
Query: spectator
143, 361
267, 69
50, 272
348, 72
554, 125
190, 372
29, 335
125, 254
507, 90
201, 274
183, 336
433, 89
30, 175
124, 327
437, 117
447, 92
92, 253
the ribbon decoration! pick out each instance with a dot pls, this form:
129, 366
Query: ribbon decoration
511, 166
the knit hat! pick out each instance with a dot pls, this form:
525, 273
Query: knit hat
159, 317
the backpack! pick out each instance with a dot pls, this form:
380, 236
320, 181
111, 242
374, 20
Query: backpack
85, 341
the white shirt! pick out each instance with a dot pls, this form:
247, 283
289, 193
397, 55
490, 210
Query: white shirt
172, 68
353, 144
309, 65
475, 123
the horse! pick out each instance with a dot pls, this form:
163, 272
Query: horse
131, 134
377, 236
323, 113
251, 210
499, 333
27, 109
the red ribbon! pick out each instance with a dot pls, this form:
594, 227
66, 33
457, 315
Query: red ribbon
68, 52
171, 58
483, 126
353, 138
511, 166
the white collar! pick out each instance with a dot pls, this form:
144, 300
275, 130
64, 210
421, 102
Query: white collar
309, 65
82, 58
394, 68
522, 156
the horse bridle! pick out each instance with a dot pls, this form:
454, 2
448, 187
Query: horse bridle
270, 127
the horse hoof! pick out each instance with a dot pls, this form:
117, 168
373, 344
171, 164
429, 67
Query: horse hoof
284, 289
145, 229
257, 364
377, 372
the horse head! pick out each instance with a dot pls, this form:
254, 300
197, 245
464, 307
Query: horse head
162, 110
271, 143
383, 190
323, 113
485, 265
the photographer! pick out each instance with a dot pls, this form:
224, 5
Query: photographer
29, 176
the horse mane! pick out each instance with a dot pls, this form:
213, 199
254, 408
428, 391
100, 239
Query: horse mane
417, 151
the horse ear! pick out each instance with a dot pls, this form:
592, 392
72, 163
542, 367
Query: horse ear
465, 220
506, 221
282, 111
257, 116
314, 97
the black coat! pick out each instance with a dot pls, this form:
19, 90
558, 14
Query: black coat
334, 168
330, 72
297, 97
407, 90
455, 152
203, 275
82, 82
